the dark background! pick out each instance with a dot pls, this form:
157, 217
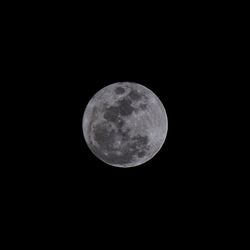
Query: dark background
172, 57
65, 57
69, 58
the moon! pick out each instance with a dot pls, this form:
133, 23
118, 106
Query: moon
125, 124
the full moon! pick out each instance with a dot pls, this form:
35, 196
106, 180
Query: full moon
125, 124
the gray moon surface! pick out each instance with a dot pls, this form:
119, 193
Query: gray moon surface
125, 124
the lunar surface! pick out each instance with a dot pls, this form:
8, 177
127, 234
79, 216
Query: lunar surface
125, 124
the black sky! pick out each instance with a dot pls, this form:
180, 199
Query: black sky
72, 57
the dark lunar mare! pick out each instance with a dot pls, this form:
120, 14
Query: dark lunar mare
123, 108
134, 147
105, 137
134, 95
119, 90
143, 106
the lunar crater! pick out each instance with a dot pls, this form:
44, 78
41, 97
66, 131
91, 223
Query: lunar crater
119, 90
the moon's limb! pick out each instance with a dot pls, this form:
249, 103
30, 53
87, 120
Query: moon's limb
134, 114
